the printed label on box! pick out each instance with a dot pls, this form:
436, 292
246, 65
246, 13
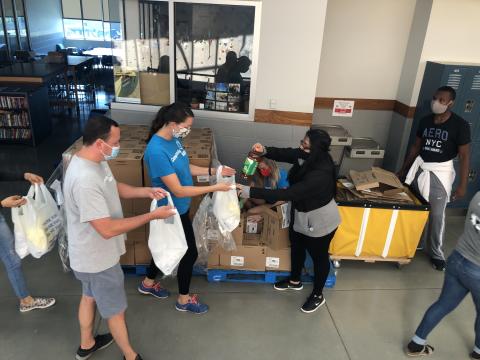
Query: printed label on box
251, 227
203, 178
272, 262
237, 260
285, 215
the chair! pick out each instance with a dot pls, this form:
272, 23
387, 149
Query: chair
59, 47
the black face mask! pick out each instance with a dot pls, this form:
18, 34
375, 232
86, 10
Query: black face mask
302, 154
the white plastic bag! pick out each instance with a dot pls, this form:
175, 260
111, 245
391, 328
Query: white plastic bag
166, 240
225, 205
21, 246
40, 221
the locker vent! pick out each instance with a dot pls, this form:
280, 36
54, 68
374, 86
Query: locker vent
454, 80
476, 82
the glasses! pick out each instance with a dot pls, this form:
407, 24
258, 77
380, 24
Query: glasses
305, 145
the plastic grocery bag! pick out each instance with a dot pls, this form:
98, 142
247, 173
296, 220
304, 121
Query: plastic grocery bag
166, 240
225, 205
21, 246
39, 221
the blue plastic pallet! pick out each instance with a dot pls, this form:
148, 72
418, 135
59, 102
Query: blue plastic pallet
137, 270
265, 277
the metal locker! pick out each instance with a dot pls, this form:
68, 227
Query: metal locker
465, 79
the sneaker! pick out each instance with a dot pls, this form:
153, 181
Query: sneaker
101, 342
313, 303
137, 358
438, 264
193, 306
416, 350
155, 290
474, 355
38, 303
287, 285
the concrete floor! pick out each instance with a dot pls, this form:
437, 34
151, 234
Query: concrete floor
370, 314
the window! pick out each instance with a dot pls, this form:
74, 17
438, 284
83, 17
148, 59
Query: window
73, 29
91, 20
211, 54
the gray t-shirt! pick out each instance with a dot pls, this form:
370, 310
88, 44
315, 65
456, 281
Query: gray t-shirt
91, 193
469, 243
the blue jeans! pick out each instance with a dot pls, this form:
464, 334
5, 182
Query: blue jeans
461, 277
11, 260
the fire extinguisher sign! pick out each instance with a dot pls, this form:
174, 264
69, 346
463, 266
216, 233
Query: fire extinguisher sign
343, 108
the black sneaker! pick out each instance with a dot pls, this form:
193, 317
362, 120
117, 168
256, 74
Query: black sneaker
287, 285
313, 303
101, 342
475, 355
416, 350
438, 264
137, 358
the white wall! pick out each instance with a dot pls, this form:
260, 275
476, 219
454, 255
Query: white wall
364, 48
290, 47
453, 35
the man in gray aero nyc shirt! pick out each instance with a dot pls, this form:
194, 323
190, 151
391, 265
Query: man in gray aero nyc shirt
461, 278
96, 234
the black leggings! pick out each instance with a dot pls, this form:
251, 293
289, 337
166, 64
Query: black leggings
185, 268
317, 247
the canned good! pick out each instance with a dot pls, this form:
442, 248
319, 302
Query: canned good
249, 166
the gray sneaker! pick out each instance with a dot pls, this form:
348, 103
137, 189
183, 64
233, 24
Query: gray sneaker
38, 303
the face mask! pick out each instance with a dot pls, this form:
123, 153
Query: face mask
114, 154
438, 107
303, 154
181, 133
265, 172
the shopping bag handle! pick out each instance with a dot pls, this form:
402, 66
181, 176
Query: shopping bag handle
154, 204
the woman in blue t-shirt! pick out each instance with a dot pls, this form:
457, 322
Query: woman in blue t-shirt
169, 168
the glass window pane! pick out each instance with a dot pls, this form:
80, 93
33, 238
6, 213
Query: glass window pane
3, 44
10, 24
19, 8
213, 52
93, 30
71, 9
142, 73
23, 33
73, 29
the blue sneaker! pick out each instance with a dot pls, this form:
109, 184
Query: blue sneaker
193, 306
155, 290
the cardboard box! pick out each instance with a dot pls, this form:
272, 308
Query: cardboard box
154, 88
385, 182
129, 257
244, 258
127, 207
142, 253
137, 235
214, 258
278, 260
127, 167
141, 206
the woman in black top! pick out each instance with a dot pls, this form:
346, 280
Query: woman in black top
314, 216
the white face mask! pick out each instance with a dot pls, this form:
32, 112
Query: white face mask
180, 133
438, 107
114, 154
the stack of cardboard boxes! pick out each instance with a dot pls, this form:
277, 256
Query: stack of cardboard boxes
261, 245
129, 168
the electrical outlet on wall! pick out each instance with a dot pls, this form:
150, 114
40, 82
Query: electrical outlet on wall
273, 103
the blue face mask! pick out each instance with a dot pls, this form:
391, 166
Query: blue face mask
114, 154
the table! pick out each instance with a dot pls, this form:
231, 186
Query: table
100, 51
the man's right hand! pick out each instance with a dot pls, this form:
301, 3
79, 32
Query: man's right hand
163, 212
223, 187
13, 201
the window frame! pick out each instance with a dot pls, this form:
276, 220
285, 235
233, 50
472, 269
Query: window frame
250, 115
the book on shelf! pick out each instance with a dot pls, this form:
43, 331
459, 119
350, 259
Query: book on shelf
15, 134
9, 119
13, 102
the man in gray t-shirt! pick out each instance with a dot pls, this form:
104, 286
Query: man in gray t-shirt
461, 278
96, 234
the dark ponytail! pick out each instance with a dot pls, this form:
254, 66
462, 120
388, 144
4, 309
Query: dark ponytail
176, 112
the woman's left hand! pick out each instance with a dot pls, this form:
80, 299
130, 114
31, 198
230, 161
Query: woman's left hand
228, 171
243, 191
155, 193
33, 178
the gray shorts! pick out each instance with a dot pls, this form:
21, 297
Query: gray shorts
107, 288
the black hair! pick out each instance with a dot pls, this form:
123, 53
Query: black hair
97, 127
231, 58
450, 90
320, 142
176, 112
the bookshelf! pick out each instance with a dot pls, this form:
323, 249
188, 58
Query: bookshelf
24, 114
